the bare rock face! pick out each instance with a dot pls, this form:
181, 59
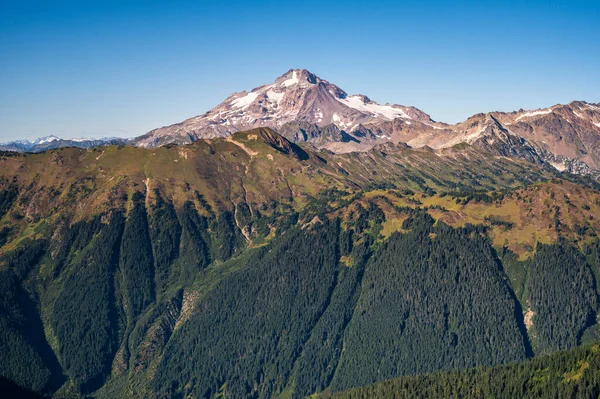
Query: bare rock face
300, 132
564, 136
281, 144
304, 108
569, 133
297, 96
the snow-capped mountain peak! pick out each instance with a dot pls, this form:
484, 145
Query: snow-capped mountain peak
52, 141
306, 108
296, 96
47, 139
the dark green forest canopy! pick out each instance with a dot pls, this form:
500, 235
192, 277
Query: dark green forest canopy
432, 298
429, 304
571, 374
173, 295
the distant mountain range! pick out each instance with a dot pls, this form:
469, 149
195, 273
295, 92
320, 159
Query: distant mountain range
305, 108
49, 142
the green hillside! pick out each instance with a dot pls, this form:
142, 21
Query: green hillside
571, 374
252, 267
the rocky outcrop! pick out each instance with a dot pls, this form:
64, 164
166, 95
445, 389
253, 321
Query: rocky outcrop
307, 109
297, 96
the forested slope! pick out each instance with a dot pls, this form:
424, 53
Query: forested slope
254, 268
571, 374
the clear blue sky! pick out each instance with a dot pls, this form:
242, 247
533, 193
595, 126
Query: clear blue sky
121, 68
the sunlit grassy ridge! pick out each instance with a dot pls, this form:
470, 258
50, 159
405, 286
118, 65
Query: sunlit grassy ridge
518, 219
178, 238
244, 167
248, 168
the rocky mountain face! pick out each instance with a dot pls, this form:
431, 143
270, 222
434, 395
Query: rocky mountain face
305, 108
50, 142
562, 135
296, 97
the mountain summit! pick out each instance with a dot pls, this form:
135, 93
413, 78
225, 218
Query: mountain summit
296, 96
305, 108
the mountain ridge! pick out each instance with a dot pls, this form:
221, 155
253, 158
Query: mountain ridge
305, 108
49, 142
298, 95
293, 270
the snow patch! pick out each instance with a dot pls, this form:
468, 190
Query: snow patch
292, 81
81, 139
558, 166
245, 101
340, 123
372, 108
48, 139
318, 115
276, 97
596, 123
535, 113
